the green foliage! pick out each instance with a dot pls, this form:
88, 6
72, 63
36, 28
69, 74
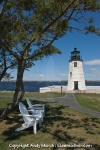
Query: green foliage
7, 77
91, 20
91, 5
40, 20
6, 62
92, 29
29, 28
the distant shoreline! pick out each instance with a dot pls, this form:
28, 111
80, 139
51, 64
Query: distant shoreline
34, 86
51, 81
14, 91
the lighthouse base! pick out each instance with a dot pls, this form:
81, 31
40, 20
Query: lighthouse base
64, 89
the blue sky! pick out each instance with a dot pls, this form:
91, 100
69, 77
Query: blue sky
55, 67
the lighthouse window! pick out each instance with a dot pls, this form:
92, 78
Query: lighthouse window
75, 64
70, 74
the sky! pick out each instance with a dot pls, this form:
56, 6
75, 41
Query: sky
56, 67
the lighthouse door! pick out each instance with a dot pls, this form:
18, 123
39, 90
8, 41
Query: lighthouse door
75, 85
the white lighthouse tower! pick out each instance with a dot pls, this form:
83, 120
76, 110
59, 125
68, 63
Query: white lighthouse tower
76, 79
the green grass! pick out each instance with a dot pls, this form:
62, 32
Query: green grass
91, 101
61, 125
4, 101
35, 94
44, 95
6, 93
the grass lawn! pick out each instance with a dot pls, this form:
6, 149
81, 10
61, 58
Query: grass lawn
35, 94
61, 125
91, 101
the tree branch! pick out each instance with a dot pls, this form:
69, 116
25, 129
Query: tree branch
46, 28
75, 28
3, 73
40, 52
69, 17
4, 59
5, 46
2, 9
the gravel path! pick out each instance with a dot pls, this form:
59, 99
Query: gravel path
70, 101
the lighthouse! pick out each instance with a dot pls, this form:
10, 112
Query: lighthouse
76, 79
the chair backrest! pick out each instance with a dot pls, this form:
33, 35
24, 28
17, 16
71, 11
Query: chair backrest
29, 103
30, 106
24, 112
36, 105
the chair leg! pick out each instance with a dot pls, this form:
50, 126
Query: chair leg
40, 123
42, 118
35, 128
43, 114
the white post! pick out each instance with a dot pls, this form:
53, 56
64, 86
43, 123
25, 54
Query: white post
34, 127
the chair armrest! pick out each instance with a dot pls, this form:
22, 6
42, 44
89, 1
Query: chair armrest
39, 105
30, 109
35, 108
19, 114
32, 116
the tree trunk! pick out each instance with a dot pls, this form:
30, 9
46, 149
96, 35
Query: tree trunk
19, 85
19, 82
22, 92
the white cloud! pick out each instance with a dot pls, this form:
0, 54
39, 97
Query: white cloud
41, 75
63, 75
93, 62
93, 69
31, 77
94, 73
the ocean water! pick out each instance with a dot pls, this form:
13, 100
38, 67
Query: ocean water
33, 86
